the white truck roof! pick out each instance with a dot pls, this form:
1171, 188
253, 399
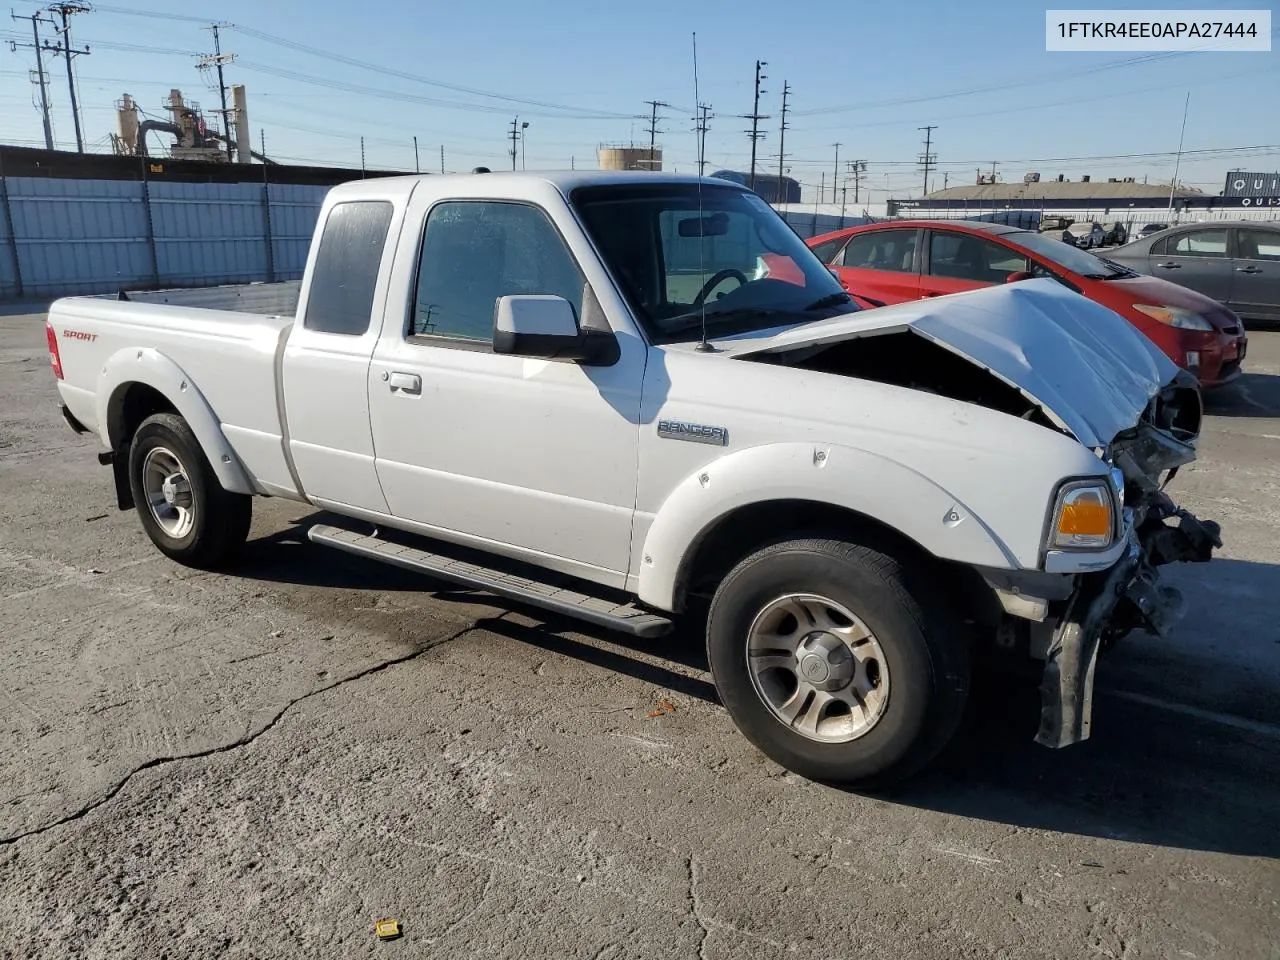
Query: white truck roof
563, 180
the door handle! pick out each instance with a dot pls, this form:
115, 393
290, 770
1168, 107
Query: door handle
406, 382
1170, 265
1248, 269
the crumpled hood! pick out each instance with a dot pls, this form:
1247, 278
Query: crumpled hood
1084, 364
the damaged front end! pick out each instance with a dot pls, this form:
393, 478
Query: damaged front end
1109, 603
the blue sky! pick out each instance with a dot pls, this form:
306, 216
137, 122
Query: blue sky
871, 73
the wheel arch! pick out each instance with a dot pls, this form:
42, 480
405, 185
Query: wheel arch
730, 507
137, 382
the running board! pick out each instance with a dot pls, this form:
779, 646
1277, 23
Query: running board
605, 613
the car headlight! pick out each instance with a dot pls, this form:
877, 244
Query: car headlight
1084, 516
1179, 317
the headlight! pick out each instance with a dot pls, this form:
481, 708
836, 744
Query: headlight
1084, 516
1178, 317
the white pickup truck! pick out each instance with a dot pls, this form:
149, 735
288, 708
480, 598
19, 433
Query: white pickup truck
618, 395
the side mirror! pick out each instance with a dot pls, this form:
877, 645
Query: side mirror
544, 327
1019, 275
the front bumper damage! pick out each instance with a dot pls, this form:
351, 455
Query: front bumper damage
1109, 603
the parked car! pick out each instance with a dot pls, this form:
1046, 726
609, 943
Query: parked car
1236, 263
1149, 228
907, 260
1056, 225
1085, 234
585, 392
1114, 233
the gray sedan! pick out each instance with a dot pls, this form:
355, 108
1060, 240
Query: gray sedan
1236, 263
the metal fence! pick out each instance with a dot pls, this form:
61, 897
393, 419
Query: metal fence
73, 236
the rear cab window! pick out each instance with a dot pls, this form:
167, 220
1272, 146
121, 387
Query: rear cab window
345, 275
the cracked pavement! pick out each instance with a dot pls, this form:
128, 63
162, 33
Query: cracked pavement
262, 764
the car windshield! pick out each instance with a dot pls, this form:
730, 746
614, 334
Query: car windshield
1065, 255
726, 253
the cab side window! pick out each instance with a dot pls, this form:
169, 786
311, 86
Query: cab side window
346, 269
474, 252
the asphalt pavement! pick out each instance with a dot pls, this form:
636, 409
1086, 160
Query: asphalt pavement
262, 764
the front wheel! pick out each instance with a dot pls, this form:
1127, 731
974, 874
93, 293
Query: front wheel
183, 508
832, 665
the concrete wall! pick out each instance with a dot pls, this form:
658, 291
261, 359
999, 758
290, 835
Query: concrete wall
71, 236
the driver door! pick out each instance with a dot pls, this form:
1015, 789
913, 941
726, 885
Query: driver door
532, 458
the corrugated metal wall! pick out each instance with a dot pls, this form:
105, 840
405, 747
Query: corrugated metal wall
97, 236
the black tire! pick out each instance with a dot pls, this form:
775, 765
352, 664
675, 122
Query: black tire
925, 653
219, 520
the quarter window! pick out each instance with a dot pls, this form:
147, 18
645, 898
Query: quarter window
474, 252
881, 250
346, 269
826, 250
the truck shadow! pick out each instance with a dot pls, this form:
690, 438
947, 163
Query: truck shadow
1153, 773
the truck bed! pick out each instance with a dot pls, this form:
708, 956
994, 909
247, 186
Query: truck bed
231, 356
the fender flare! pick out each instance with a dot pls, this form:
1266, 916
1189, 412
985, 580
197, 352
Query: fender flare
840, 476
149, 366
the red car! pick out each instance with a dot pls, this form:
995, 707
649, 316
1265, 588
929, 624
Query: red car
911, 259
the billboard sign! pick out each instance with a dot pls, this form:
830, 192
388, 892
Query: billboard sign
1253, 189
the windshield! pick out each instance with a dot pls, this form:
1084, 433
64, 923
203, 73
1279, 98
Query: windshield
733, 257
1065, 255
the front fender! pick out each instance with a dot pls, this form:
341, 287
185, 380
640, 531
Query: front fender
151, 367
846, 477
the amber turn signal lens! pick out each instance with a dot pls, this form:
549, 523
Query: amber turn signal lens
1084, 517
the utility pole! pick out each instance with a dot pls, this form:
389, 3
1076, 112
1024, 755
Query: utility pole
362, 158
927, 159
442, 158
857, 168
835, 176
517, 136
66, 10
262, 143
653, 129
993, 171
416, 168
704, 114
37, 19
782, 141
755, 117
217, 60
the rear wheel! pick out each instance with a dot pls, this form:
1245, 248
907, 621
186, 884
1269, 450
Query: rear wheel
831, 664
183, 508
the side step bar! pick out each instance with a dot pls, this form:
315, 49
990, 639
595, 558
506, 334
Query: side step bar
597, 610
